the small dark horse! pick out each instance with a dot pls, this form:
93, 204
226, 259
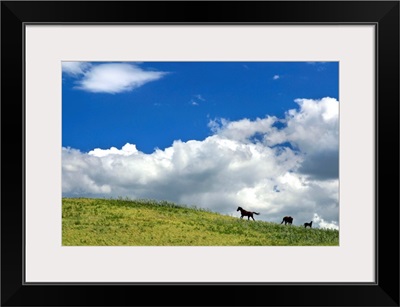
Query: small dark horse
249, 214
287, 220
308, 224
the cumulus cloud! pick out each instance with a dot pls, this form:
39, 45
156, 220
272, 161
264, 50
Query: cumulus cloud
265, 165
276, 77
323, 224
314, 130
110, 78
244, 130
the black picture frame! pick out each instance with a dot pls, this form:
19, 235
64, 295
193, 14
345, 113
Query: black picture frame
383, 14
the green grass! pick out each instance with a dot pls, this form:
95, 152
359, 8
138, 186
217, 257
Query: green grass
119, 222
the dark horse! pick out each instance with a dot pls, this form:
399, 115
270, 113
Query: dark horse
287, 220
249, 214
308, 224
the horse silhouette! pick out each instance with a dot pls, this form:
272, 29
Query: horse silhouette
308, 224
287, 220
249, 214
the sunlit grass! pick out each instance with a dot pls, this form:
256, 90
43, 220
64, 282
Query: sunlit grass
124, 222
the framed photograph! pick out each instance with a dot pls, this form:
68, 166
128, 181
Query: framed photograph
241, 153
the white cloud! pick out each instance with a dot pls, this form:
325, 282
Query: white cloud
323, 224
314, 130
197, 99
276, 77
248, 163
110, 78
320, 66
243, 130
75, 68
126, 150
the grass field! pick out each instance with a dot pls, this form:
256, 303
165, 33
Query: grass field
119, 222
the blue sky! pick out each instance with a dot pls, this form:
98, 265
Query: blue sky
182, 101
218, 135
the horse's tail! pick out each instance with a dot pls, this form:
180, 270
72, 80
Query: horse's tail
258, 213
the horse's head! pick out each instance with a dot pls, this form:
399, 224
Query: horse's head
239, 208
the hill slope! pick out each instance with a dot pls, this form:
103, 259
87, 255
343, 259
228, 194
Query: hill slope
112, 222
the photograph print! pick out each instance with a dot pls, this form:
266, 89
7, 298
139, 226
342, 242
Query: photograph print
200, 153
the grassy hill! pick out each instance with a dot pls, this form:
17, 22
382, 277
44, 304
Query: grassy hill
117, 222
